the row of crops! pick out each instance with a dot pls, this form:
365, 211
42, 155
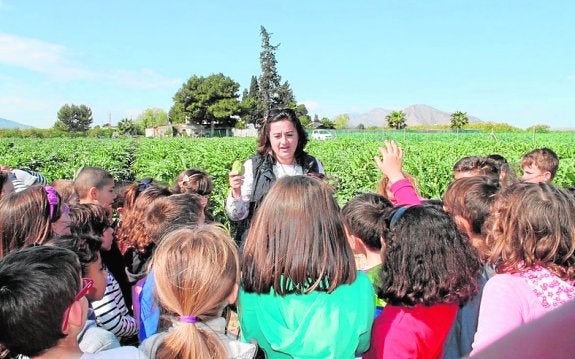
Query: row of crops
348, 160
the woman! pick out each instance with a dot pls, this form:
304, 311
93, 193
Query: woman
301, 295
280, 153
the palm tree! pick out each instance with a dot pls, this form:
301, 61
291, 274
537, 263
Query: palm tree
458, 120
396, 120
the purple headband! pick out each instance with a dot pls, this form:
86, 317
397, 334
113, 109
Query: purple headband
188, 319
53, 200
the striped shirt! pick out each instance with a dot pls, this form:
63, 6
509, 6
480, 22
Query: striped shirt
111, 311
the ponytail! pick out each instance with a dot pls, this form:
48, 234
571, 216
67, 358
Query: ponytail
187, 341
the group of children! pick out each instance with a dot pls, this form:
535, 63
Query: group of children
91, 268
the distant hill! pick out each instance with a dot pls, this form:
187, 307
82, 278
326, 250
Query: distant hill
416, 115
4, 123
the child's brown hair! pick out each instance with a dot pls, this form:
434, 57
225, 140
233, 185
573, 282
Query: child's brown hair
543, 158
533, 224
297, 233
89, 177
26, 217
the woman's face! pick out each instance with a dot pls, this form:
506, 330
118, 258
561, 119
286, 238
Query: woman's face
283, 140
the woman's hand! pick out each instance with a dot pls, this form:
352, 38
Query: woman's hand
391, 161
236, 182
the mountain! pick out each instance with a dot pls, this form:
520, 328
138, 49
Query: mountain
4, 123
415, 115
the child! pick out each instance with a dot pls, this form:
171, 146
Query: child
92, 339
197, 182
31, 216
94, 220
165, 214
110, 311
196, 271
395, 185
301, 294
24, 178
66, 190
29, 280
430, 269
363, 218
532, 244
468, 201
506, 173
539, 165
95, 185
471, 166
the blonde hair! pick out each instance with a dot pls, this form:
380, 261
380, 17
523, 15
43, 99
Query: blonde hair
195, 270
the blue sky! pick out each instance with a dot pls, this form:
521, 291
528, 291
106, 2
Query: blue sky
504, 61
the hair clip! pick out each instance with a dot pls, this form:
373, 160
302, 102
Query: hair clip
52, 197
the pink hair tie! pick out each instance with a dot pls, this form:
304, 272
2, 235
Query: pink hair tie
188, 319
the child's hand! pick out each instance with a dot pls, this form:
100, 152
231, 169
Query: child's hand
391, 161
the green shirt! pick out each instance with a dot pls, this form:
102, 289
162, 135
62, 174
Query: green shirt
314, 325
374, 274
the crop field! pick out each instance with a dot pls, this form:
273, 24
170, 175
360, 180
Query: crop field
348, 160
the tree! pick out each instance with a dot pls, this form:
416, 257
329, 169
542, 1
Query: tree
341, 121
127, 127
538, 128
327, 123
74, 118
272, 93
302, 114
207, 101
250, 111
151, 117
396, 120
458, 120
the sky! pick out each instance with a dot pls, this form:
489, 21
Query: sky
507, 61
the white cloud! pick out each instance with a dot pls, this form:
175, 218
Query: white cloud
39, 56
56, 62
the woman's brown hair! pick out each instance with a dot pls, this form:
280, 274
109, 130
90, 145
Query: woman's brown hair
533, 224
195, 271
296, 242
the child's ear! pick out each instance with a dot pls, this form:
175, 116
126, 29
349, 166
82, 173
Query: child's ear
547, 177
463, 224
93, 194
76, 317
233, 296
